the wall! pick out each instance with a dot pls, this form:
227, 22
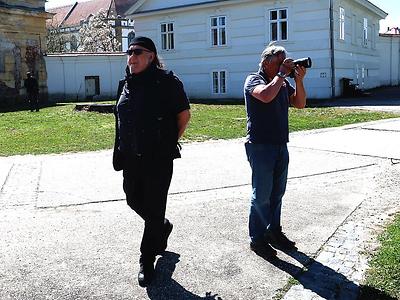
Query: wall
66, 75
194, 59
389, 49
353, 59
248, 33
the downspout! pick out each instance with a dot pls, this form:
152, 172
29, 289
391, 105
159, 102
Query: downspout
111, 81
398, 70
63, 68
391, 62
332, 49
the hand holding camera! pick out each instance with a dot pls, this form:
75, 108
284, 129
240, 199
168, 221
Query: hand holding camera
301, 65
286, 67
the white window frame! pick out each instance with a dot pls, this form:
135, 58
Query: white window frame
218, 31
341, 23
354, 29
168, 43
373, 36
219, 82
365, 32
278, 23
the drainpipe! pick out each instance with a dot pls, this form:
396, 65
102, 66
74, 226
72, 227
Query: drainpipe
391, 62
398, 69
332, 48
63, 68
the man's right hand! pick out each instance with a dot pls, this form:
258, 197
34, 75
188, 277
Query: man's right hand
287, 66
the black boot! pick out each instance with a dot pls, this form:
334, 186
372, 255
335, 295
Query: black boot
164, 241
279, 240
263, 249
146, 271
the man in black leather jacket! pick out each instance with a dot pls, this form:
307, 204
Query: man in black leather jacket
152, 114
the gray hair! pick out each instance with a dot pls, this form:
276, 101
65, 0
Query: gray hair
271, 51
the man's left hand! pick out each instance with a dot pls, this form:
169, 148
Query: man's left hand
299, 73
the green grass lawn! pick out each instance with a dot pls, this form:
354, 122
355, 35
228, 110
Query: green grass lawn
62, 129
384, 272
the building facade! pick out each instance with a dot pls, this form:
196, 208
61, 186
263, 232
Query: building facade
22, 44
213, 45
389, 47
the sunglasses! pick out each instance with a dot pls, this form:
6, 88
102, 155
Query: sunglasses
137, 51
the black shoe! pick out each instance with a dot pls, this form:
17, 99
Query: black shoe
263, 249
146, 272
168, 226
279, 240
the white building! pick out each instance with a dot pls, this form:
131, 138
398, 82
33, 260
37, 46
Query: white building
213, 45
79, 76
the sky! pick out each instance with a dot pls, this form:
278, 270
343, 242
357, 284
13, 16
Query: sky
391, 7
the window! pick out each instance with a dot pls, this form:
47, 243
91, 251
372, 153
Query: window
218, 31
278, 24
74, 43
373, 37
354, 29
365, 32
131, 36
341, 23
219, 82
167, 36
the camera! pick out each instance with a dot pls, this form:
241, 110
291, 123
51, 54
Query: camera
304, 62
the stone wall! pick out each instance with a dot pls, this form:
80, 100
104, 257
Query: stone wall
22, 44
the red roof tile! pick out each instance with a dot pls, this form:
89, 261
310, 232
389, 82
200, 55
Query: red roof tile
84, 9
59, 15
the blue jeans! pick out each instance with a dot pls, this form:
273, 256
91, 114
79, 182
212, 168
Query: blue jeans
269, 165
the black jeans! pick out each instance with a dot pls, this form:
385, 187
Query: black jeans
146, 184
33, 99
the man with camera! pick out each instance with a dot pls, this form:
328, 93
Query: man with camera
268, 95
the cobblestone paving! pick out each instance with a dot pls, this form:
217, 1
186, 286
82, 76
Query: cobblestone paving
339, 267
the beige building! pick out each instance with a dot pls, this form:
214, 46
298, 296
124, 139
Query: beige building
22, 44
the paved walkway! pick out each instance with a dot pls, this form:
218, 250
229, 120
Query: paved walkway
66, 232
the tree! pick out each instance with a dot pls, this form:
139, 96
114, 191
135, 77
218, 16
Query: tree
56, 40
97, 35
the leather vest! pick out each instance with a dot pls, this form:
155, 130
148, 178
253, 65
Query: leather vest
146, 120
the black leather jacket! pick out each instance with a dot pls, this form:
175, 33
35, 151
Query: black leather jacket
147, 121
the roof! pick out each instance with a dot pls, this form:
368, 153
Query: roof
71, 15
133, 9
121, 6
59, 15
84, 9
392, 31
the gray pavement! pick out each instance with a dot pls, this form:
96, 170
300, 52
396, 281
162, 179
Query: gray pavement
66, 232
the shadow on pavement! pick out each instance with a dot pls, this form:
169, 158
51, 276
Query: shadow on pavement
324, 281
166, 288
371, 293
